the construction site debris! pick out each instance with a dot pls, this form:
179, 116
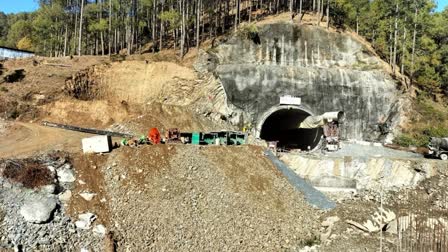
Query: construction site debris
65, 196
87, 195
21, 209
99, 230
49, 189
85, 221
328, 227
194, 199
38, 209
377, 222
97, 144
66, 175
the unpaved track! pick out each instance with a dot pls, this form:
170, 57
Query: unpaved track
25, 139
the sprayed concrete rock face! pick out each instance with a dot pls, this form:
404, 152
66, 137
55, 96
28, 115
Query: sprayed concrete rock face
329, 71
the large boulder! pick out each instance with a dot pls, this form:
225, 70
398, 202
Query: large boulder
38, 209
66, 176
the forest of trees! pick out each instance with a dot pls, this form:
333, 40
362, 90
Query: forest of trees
406, 33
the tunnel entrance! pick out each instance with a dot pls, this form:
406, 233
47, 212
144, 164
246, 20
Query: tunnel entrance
283, 126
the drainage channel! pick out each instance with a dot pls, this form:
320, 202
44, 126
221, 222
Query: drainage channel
312, 195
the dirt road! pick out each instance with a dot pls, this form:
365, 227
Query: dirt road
24, 139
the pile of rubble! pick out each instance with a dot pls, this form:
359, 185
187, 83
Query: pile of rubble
32, 208
188, 198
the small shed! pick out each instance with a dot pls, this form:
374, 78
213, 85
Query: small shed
11, 53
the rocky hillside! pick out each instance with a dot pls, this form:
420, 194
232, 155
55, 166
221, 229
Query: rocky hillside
330, 71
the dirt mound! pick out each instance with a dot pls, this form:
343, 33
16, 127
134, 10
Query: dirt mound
184, 198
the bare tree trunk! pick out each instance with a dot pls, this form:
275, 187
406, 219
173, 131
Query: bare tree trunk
250, 11
154, 11
357, 22
110, 27
328, 14
65, 40
237, 13
300, 11
322, 11
403, 47
290, 9
318, 12
80, 28
414, 36
394, 59
74, 34
390, 46
198, 22
115, 40
161, 33
102, 32
182, 40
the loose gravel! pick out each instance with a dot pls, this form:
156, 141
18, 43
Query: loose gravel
189, 198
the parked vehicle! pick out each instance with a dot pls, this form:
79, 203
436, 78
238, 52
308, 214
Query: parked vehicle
438, 147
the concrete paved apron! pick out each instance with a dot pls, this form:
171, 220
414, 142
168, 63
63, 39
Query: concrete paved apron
312, 195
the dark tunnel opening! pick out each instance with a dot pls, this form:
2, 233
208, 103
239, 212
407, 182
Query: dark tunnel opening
283, 126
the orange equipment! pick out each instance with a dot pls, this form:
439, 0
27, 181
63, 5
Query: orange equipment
154, 136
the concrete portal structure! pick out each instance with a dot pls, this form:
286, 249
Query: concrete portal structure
281, 123
329, 71
11, 53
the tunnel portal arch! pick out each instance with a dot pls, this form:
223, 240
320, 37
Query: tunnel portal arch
281, 123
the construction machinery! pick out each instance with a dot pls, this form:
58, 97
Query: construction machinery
172, 135
438, 147
329, 121
215, 138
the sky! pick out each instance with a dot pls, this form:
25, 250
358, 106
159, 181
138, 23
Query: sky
14, 6
442, 4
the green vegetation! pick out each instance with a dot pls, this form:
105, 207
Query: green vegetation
430, 120
407, 34
249, 31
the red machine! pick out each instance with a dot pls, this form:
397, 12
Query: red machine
154, 136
